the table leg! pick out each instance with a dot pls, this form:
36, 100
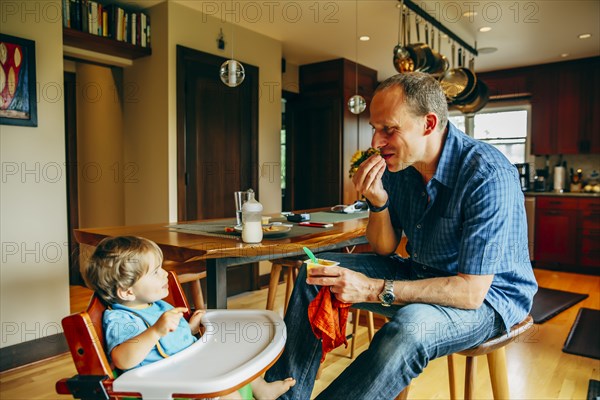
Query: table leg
216, 284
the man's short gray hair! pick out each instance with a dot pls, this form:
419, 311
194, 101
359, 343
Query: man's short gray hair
423, 94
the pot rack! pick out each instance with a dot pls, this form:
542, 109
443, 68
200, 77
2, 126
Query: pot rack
425, 15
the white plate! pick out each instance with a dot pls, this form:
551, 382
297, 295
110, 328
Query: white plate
270, 230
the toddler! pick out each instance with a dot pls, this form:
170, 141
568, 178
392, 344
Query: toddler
139, 327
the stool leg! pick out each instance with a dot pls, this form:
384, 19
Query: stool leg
451, 377
355, 318
403, 395
197, 297
273, 283
470, 369
498, 376
371, 325
289, 286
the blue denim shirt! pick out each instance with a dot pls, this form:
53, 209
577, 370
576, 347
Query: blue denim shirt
474, 221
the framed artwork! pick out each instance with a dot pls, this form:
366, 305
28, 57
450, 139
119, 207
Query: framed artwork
18, 101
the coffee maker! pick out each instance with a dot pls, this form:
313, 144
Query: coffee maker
523, 176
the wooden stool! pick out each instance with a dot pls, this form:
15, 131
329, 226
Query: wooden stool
290, 267
496, 356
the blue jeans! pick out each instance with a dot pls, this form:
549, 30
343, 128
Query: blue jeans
400, 350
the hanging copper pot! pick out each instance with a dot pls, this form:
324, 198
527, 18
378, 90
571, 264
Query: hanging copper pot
458, 83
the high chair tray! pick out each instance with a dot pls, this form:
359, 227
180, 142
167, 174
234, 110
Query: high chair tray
237, 345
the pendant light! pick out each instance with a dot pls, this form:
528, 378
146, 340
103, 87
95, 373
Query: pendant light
357, 103
232, 72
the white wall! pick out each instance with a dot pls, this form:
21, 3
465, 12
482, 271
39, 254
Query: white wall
34, 292
151, 135
102, 172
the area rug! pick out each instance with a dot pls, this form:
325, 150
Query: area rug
584, 338
549, 302
593, 390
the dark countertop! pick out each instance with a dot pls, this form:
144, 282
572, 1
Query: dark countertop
564, 194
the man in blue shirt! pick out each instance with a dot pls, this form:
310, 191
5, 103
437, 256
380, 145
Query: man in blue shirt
468, 277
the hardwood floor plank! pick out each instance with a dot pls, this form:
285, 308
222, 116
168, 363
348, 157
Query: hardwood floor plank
537, 366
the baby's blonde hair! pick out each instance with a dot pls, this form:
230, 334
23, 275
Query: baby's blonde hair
118, 263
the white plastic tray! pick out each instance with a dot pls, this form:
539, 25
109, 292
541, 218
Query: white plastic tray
237, 344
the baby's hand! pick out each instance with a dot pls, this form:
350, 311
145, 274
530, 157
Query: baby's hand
169, 321
195, 320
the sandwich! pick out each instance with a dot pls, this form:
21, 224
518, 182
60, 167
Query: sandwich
359, 157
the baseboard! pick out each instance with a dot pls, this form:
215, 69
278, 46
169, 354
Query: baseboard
31, 351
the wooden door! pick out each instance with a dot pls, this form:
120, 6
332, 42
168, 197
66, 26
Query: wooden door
217, 143
317, 124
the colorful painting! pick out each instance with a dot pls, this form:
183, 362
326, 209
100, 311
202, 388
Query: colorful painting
18, 104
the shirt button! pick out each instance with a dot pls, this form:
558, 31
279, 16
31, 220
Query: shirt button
424, 268
422, 194
416, 255
419, 226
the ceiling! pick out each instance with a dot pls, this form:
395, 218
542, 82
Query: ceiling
524, 32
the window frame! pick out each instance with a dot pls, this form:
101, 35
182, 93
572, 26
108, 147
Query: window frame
501, 106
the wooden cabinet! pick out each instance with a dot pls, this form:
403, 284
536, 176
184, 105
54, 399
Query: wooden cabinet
565, 104
567, 232
590, 232
555, 230
325, 134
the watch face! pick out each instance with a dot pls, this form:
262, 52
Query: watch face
387, 298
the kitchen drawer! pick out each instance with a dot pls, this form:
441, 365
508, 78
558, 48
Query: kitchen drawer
590, 259
556, 203
590, 205
590, 220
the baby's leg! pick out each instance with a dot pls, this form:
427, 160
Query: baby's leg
264, 390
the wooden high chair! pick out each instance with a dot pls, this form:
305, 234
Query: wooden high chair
236, 348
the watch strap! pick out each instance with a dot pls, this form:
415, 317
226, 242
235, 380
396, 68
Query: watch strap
374, 209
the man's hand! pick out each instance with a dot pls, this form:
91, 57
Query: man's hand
367, 180
348, 286
169, 321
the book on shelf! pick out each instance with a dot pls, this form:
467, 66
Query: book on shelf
107, 20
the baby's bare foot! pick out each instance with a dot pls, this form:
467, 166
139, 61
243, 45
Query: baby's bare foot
264, 390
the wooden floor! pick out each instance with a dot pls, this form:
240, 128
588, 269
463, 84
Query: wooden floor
538, 369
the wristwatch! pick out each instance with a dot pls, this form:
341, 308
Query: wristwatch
387, 295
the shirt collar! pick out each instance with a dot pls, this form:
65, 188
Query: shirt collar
449, 165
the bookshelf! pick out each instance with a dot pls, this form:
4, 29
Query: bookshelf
107, 28
105, 45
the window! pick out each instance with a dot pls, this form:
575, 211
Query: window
505, 127
283, 146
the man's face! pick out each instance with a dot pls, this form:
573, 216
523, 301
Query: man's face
396, 132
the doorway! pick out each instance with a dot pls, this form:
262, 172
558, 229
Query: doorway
217, 145
75, 277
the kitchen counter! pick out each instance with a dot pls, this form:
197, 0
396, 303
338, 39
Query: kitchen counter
564, 194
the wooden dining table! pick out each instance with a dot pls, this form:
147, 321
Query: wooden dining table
217, 252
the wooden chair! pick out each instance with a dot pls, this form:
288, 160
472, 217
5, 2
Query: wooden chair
494, 349
96, 377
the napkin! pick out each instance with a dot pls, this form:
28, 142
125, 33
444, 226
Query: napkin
328, 316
